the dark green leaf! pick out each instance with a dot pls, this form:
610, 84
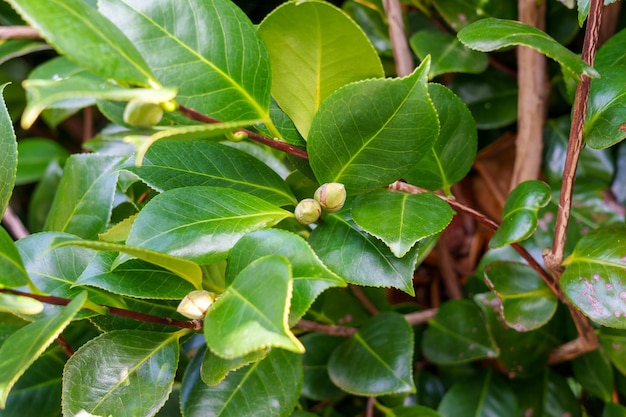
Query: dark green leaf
545, 395
215, 368
365, 135
13, 273
413, 411
42, 197
317, 384
614, 346
459, 13
613, 410
377, 359
13, 48
35, 154
8, 156
593, 371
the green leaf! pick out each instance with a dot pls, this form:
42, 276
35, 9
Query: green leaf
491, 34
338, 241
365, 135
614, 346
519, 219
201, 224
215, 368
458, 334
413, 411
42, 197
487, 394
210, 50
527, 302
593, 277
82, 34
159, 308
377, 360
401, 219
175, 164
459, 13
454, 151
268, 388
593, 371
121, 373
316, 383
318, 51
8, 156
20, 305
447, 53
310, 276
83, 202
35, 154
547, 394
13, 272
613, 410
24, 346
243, 319
13, 48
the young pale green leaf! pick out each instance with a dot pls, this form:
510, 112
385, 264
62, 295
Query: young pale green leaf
78, 31
370, 133
593, 277
17, 304
447, 53
316, 382
527, 302
377, 360
605, 124
458, 334
491, 34
487, 394
400, 219
614, 346
546, 394
21, 349
360, 258
209, 49
310, 276
454, 151
13, 273
174, 164
315, 48
201, 224
269, 388
215, 368
121, 373
83, 202
594, 372
519, 219
8, 156
35, 154
252, 312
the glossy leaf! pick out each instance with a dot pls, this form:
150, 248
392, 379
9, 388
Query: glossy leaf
269, 388
458, 334
593, 277
215, 368
310, 276
175, 164
614, 346
447, 53
491, 34
593, 371
338, 241
35, 154
242, 320
200, 224
83, 202
527, 302
317, 384
519, 218
459, 13
8, 156
401, 219
108, 375
366, 134
24, 346
13, 273
454, 151
377, 359
79, 32
314, 49
208, 49
547, 394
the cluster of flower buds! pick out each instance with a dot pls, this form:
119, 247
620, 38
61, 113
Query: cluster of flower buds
195, 304
329, 197
142, 114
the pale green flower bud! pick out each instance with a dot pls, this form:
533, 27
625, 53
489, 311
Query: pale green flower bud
142, 114
331, 196
308, 211
195, 304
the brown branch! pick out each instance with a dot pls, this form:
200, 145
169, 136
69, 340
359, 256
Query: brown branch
19, 32
330, 329
14, 225
369, 408
420, 317
401, 51
367, 303
65, 346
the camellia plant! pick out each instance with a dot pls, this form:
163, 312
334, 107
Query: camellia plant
347, 208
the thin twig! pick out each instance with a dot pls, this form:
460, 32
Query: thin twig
367, 303
65, 346
369, 409
19, 32
401, 52
330, 329
420, 317
14, 225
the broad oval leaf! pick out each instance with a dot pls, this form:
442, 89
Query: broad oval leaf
13, 272
315, 48
268, 388
252, 312
175, 164
594, 276
527, 302
519, 219
401, 219
108, 375
316, 382
377, 360
458, 334
491, 34
368, 134
21, 349
201, 224
614, 346
594, 372
547, 394
210, 51
19, 305
79, 32
8, 156
215, 368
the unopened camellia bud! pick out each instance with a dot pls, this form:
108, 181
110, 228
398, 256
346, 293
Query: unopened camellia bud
195, 304
331, 196
142, 114
308, 211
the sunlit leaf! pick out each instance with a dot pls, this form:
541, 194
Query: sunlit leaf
8, 156
13, 273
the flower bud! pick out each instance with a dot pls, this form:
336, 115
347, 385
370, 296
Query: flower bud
142, 114
195, 304
331, 196
308, 211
